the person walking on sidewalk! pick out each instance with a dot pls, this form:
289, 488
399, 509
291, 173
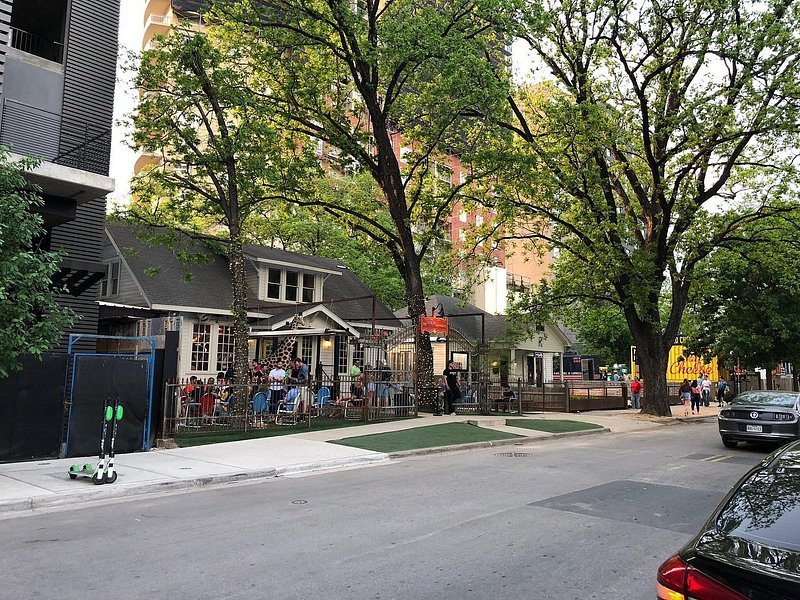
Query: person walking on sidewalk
452, 391
697, 399
722, 386
685, 392
636, 393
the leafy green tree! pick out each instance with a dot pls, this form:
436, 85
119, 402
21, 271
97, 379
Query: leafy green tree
602, 330
33, 321
314, 231
746, 305
647, 115
218, 159
355, 76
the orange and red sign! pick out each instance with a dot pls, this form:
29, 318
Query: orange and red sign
433, 325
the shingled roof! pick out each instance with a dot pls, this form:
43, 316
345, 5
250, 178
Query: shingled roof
163, 278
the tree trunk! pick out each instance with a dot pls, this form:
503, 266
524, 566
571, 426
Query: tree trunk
653, 357
241, 328
426, 391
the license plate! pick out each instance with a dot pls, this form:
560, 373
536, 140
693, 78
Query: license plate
754, 428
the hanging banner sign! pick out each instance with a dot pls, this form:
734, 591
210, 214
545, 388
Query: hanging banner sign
434, 325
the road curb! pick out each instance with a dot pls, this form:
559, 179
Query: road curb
104, 493
496, 443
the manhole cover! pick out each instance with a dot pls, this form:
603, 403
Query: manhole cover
299, 501
515, 454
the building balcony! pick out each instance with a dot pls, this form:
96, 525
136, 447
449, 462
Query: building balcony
156, 7
156, 25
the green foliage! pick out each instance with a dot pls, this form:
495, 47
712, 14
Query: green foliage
32, 319
314, 231
219, 154
365, 79
746, 306
647, 117
602, 330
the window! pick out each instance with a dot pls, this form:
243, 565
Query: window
224, 347
274, 284
344, 367
292, 278
478, 220
358, 352
309, 287
306, 348
443, 173
462, 234
110, 284
462, 216
291, 286
463, 177
201, 347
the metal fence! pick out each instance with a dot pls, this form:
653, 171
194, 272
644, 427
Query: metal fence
497, 394
211, 406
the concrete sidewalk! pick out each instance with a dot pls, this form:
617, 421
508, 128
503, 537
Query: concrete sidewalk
40, 484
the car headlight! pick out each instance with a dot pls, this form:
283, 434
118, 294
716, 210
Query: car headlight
726, 413
784, 417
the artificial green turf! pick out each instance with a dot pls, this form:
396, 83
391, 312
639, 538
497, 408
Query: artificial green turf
551, 426
201, 438
431, 436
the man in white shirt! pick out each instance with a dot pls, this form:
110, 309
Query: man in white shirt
705, 390
276, 378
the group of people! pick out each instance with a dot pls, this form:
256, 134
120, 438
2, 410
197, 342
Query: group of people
697, 393
372, 384
216, 397
210, 398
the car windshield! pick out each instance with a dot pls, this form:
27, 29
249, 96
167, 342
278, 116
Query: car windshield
784, 399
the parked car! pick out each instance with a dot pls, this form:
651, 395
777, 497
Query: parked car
750, 547
760, 416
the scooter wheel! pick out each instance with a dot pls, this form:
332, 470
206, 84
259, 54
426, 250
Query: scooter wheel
73, 476
99, 480
112, 479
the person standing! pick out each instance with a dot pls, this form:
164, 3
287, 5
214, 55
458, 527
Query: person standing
384, 376
705, 391
355, 370
636, 393
452, 390
697, 399
276, 378
685, 392
722, 386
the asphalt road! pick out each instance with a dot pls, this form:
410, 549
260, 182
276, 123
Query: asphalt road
579, 518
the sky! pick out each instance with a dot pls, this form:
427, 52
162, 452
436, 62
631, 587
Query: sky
131, 30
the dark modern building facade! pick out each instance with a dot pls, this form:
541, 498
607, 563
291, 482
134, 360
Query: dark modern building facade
57, 76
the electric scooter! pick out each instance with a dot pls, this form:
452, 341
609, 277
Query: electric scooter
104, 471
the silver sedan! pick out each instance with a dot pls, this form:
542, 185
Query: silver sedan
760, 416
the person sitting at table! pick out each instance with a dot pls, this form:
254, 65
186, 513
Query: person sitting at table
191, 397
507, 396
356, 396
